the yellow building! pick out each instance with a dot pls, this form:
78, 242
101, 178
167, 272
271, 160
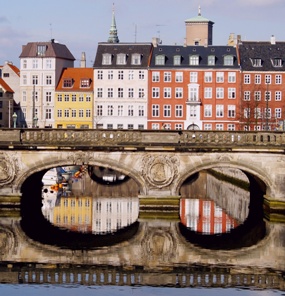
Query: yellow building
74, 213
74, 99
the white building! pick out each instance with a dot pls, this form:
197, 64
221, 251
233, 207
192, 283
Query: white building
41, 65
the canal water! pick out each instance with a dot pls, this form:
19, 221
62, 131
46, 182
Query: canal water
84, 230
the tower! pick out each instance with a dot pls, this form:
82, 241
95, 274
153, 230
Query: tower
199, 30
113, 33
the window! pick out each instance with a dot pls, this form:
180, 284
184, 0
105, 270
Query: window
120, 110
193, 111
35, 79
155, 76
257, 113
120, 75
100, 75
231, 93
24, 79
110, 75
59, 113
231, 111
228, 60
110, 110
160, 60
268, 79
155, 110
220, 110
267, 96
48, 80
24, 64
167, 76
167, 92
41, 50
278, 79
67, 82
120, 126
24, 96
208, 93
106, 59
130, 126
178, 92
246, 95
155, 126
121, 59
231, 127
277, 62
246, 78
208, 111
194, 60
109, 126
179, 77
193, 77
81, 98
73, 113
131, 75
178, 110
35, 64
257, 79
207, 126
211, 60
219, 127
141, 111
193, 92
66, 98
231, 77
278, 95
48, 113
130, 93
136, 59
267, 112
176, 60
59, 98
257, 95
80, 113
130, 110
219, 92
208, 77
220, 77
256, 62
246, 112
141, 75
120, 92
155, 92
99, 92
48, 64
141, 92
84, 83
166, 110
278, 112
110, 92
66, 113
48, 96
99, 110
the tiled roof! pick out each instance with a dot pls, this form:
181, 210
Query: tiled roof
53, 50
14, 68
76, 75
144, 49
6, 87
169, 51
265, 51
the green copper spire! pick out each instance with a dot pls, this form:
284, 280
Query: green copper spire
113, 33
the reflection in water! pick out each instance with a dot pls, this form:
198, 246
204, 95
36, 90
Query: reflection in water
72, 208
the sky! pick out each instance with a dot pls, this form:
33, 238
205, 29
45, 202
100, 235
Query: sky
81, 24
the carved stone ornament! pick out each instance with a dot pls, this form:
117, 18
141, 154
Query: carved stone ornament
159, 170
80, 158
225, 158
8, 168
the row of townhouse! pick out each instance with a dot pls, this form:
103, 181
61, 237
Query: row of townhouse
197, 85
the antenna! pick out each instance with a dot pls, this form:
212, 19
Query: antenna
50, 25
158, 32
135, 33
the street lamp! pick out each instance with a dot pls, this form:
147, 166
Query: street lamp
35, 121
14, 116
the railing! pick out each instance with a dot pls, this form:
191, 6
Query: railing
196, 276
75, 138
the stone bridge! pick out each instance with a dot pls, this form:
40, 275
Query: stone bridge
159, 161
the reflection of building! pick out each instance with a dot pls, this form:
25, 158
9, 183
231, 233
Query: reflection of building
74, 213
205, 216
110, 214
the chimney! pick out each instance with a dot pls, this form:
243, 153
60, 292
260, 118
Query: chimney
272, 39
83, 60
155, 41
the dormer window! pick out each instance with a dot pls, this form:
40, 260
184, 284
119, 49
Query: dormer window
211, 60
160, 60
177, 60
85, 82
228, 60
194, 60
256, 62
67, 82
121, 59
136, 59
277, 62
107, 59
41, 50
